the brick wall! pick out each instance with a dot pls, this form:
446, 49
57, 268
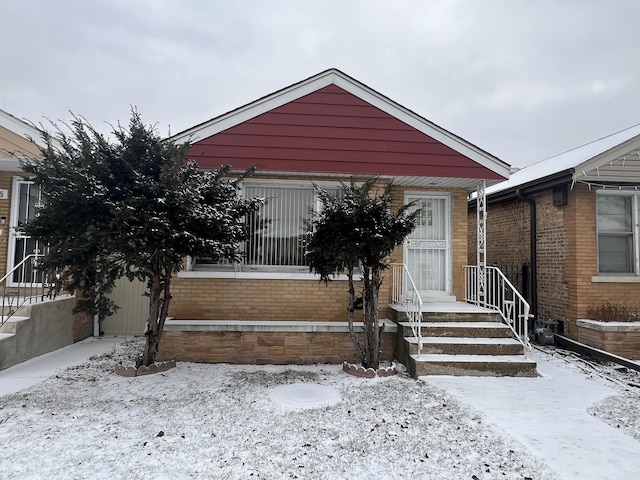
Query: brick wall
261, 299
567, 254
507, 234
276, 299
508, 243
582, 265
553, 250
459, 241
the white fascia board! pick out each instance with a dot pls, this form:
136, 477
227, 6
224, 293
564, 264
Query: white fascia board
423, 125
252, 110
20, 128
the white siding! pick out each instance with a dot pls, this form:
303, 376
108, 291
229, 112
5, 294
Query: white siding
131, 317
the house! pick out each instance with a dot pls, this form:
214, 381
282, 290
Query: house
27, 327
572, 222
324, 130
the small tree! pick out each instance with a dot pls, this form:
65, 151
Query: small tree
358, 229
132, 207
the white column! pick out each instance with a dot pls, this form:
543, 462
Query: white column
481, 216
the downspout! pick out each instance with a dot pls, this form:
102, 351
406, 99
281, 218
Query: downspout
533, 247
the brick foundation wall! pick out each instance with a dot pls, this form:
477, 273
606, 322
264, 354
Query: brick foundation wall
278, 348
619, 339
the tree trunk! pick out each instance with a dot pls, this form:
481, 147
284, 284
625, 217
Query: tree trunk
372, 280
351, 308
159, 298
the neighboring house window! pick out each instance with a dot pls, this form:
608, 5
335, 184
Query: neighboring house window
617, 233
277, 233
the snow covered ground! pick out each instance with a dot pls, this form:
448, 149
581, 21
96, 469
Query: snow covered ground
315, 422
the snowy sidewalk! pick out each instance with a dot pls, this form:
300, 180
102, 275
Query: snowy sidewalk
549, 416
38, 369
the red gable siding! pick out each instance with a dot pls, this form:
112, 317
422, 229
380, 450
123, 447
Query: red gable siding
333, 131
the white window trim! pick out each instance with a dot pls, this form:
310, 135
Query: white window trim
635, 231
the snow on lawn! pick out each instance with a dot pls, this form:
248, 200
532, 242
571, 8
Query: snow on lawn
224, 421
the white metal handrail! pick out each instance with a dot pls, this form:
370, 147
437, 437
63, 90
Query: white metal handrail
25, 283
405, 293
499, 295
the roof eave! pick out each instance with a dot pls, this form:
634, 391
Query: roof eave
549, 182
21, 128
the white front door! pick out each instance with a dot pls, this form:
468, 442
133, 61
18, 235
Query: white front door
24, 202
427, 250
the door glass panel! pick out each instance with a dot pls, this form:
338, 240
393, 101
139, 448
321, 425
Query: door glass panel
27, 198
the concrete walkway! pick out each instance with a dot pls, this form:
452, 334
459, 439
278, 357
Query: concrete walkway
549, 415
38, 369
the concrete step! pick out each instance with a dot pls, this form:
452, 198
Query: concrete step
9, 325
5, 335
473, 365
466, 346
461, 329
444, 310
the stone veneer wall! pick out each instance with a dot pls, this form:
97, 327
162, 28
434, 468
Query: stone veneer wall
260, 347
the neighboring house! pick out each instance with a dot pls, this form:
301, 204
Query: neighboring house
34, 329
573, 222
324, 130
18, 197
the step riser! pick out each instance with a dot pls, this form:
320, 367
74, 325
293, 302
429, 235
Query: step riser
467, 349
461, 317
467, 332
476, 369
397, 317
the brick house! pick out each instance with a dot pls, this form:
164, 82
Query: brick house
572, 222
326, 129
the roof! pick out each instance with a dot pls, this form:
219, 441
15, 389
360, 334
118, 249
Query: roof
611, 159
495, 169
30, 137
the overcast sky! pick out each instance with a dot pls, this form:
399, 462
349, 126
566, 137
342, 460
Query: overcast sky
523, 80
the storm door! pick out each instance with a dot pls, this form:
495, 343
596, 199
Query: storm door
427, 250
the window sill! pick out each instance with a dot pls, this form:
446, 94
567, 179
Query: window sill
254, 275
615, 279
